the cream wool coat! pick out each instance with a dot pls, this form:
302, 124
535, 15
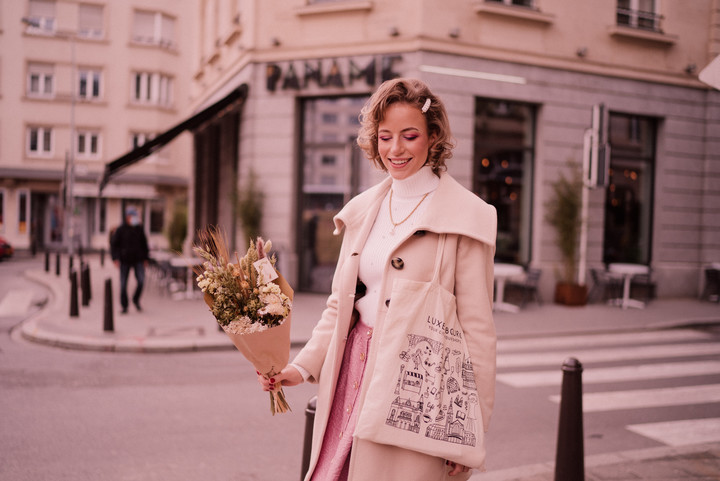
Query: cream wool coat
471, 225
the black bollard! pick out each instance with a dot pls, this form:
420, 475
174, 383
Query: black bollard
89, 284
74, 308
570, 455
71, 263
47, 261
57, 264
108, 315
85, 284
102, 257
307, 444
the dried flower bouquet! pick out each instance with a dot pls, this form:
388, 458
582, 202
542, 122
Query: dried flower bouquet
251, 302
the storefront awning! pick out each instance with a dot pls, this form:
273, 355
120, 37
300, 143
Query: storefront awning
215, 110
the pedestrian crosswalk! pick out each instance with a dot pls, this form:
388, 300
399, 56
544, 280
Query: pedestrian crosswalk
676, 369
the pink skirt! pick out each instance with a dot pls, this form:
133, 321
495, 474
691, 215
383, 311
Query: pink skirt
334, 457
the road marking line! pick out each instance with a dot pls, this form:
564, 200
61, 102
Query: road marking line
609, 354
594, 340
613, 374
648, 398
680, 433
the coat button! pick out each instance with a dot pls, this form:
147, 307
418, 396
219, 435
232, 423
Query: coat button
397, 263
387, 302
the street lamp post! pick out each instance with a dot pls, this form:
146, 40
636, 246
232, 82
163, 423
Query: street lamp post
69, 201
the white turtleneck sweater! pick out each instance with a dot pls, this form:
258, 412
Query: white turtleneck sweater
380, 242
406, 194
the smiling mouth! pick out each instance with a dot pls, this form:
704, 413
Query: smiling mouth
399, 162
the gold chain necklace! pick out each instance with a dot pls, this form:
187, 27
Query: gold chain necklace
395, 224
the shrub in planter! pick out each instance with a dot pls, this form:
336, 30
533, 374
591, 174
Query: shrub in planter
563, 213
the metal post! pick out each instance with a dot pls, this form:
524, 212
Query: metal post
57, 264
47, 261
569, 460
85, 283
102, 257
71, 263
108, 314
74, 309
307, 444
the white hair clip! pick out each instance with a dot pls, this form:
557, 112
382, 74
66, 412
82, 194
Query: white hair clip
426, 106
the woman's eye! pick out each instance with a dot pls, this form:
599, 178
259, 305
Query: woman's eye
384, 139
411, 137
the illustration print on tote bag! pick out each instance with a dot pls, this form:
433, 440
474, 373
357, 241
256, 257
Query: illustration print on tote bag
435, 390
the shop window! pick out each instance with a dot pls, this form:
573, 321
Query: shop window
39, 141
41, 16
98, 219
629, 196
640, 14
153, 28
41, 80
90, 21
23, 202
503, 163
89, 84
331, 173
157, 216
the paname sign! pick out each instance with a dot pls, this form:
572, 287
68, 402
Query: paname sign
337, 73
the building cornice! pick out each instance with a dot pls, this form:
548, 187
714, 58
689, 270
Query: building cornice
451, 47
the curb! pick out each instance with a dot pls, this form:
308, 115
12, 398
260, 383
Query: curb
547, 470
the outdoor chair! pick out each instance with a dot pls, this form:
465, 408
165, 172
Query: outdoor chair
605, 286
645, 284
528, 287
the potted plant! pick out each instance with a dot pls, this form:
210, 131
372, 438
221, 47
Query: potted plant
249, 206
563, 213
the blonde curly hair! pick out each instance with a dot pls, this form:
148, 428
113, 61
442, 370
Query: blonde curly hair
412, 92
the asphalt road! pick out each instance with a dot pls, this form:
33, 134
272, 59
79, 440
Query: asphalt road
75, 415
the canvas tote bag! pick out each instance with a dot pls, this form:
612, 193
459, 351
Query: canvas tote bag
422, 394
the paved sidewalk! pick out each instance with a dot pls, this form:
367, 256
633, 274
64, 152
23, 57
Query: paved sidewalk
181, 322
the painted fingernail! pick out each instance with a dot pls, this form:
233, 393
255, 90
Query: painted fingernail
258, 372
272, 380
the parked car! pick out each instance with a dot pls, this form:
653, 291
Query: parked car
6, 250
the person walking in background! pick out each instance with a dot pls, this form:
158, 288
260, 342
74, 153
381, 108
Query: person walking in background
129, 250
418, 227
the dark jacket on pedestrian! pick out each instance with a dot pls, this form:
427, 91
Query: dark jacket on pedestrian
129, 244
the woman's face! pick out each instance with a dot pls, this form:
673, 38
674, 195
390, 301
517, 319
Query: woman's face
403, 141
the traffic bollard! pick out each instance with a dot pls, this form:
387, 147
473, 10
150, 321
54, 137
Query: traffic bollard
108, 315
74, 309
71, 263
47, 261
569, 458
85, 284
89, 284
57, 264
102, 257
307, 444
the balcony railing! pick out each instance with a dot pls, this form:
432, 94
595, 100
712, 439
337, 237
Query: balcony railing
639, 19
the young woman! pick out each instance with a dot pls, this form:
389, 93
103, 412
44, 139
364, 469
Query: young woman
391, 232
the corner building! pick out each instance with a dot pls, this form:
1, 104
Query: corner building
519, 79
